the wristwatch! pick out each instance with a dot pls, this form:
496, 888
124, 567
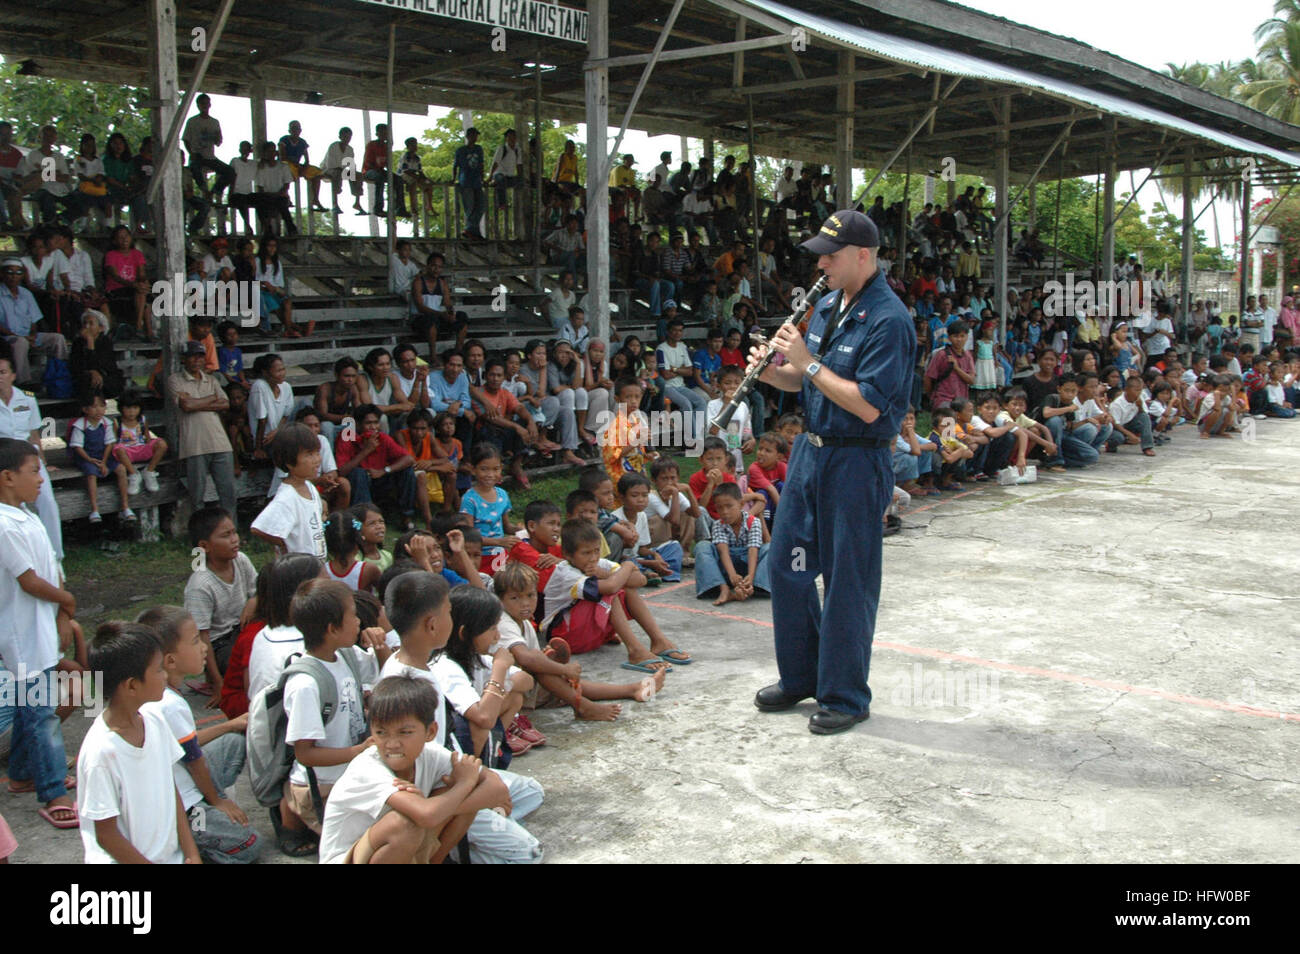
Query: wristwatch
812, 369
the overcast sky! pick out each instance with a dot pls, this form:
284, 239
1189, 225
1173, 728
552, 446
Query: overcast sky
1150, 33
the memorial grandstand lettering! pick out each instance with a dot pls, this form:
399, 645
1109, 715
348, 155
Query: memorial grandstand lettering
526, 16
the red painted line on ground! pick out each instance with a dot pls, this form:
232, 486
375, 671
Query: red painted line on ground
659, 590
1028, 670
964, 493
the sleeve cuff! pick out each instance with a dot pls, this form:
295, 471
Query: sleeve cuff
873, 396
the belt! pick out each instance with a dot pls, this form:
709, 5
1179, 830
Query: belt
820, 440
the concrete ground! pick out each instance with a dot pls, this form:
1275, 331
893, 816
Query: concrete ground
1100, 667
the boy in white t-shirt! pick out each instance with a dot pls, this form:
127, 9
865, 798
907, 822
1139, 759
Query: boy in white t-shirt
213, 757
391, 805
294, 520
325, 612
35, 620
664, 559
129, 808
673, 512
739, 434
418, 606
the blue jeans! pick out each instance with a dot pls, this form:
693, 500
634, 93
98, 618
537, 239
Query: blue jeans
1277, 410
672, 555
708, 568
1079, 447
496, 840
1140, 425
220, 839
692, 405
1056, 425
400, 485
992, 457
658, 291
471, 201
36, 749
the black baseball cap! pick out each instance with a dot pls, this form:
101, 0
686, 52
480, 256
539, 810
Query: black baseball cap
846, 227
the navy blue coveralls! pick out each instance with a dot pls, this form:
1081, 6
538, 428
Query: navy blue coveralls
834, 501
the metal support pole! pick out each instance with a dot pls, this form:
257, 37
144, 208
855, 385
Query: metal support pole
169, 209
257, 109
603, 168
1056, 218
1108, 213
597, 115
844, 107
906, 217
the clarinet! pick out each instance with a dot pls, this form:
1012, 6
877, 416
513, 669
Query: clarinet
751, 379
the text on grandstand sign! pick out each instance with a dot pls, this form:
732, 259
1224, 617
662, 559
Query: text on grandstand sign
526, 16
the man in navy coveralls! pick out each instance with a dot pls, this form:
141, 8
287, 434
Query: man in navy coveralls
855, 371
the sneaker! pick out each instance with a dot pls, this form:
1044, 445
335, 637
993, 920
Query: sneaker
525, 729
151, 481
1259, 417
518, 744
133, 483
95, 517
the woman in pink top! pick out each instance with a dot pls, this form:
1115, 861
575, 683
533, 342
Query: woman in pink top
125, 281
1289, 317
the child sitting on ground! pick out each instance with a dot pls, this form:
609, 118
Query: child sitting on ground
620, 535
662, 562
374, 531
541, 551
559, 679
279, 639
486, 692
127, 801
342, 544
293, 522
767, 473
91, 441
136, 444
489, 506
213, 756
1006, 442
789, 426
581, 505
36, 624
219, 592
1218, 412
673, 511
953, 452
1275, 399
325, 613
407, 800
234, 681
913, 458
590, 602
1040, 438
737, 539
1162, 410
424, 549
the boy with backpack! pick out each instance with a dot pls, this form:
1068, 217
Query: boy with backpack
315, 711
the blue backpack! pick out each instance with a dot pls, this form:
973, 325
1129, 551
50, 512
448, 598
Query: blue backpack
57, 379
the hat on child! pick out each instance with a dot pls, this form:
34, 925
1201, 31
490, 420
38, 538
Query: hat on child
192, 348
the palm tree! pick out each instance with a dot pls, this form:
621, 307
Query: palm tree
1268, 33
1274, 87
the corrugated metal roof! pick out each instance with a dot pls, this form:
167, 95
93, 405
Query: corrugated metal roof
913, 53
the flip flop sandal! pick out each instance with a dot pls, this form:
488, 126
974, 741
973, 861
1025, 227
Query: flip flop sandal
48, 815
24, 788
559, 650
682, 659
647, 666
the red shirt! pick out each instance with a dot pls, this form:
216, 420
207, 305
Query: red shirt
525, 553
760, 479
699, 480
376, 156
386, 453
505, 402
234, 684
732, 356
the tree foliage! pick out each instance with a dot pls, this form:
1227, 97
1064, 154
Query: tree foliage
30, 102
438, 145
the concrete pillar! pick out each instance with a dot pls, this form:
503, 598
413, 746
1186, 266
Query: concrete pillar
1256, 268
1002, 187
597, 103
1245, 247
519, 219
1189, 244
844, 100
1108, 221
929, 188
169, 209
952, 192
